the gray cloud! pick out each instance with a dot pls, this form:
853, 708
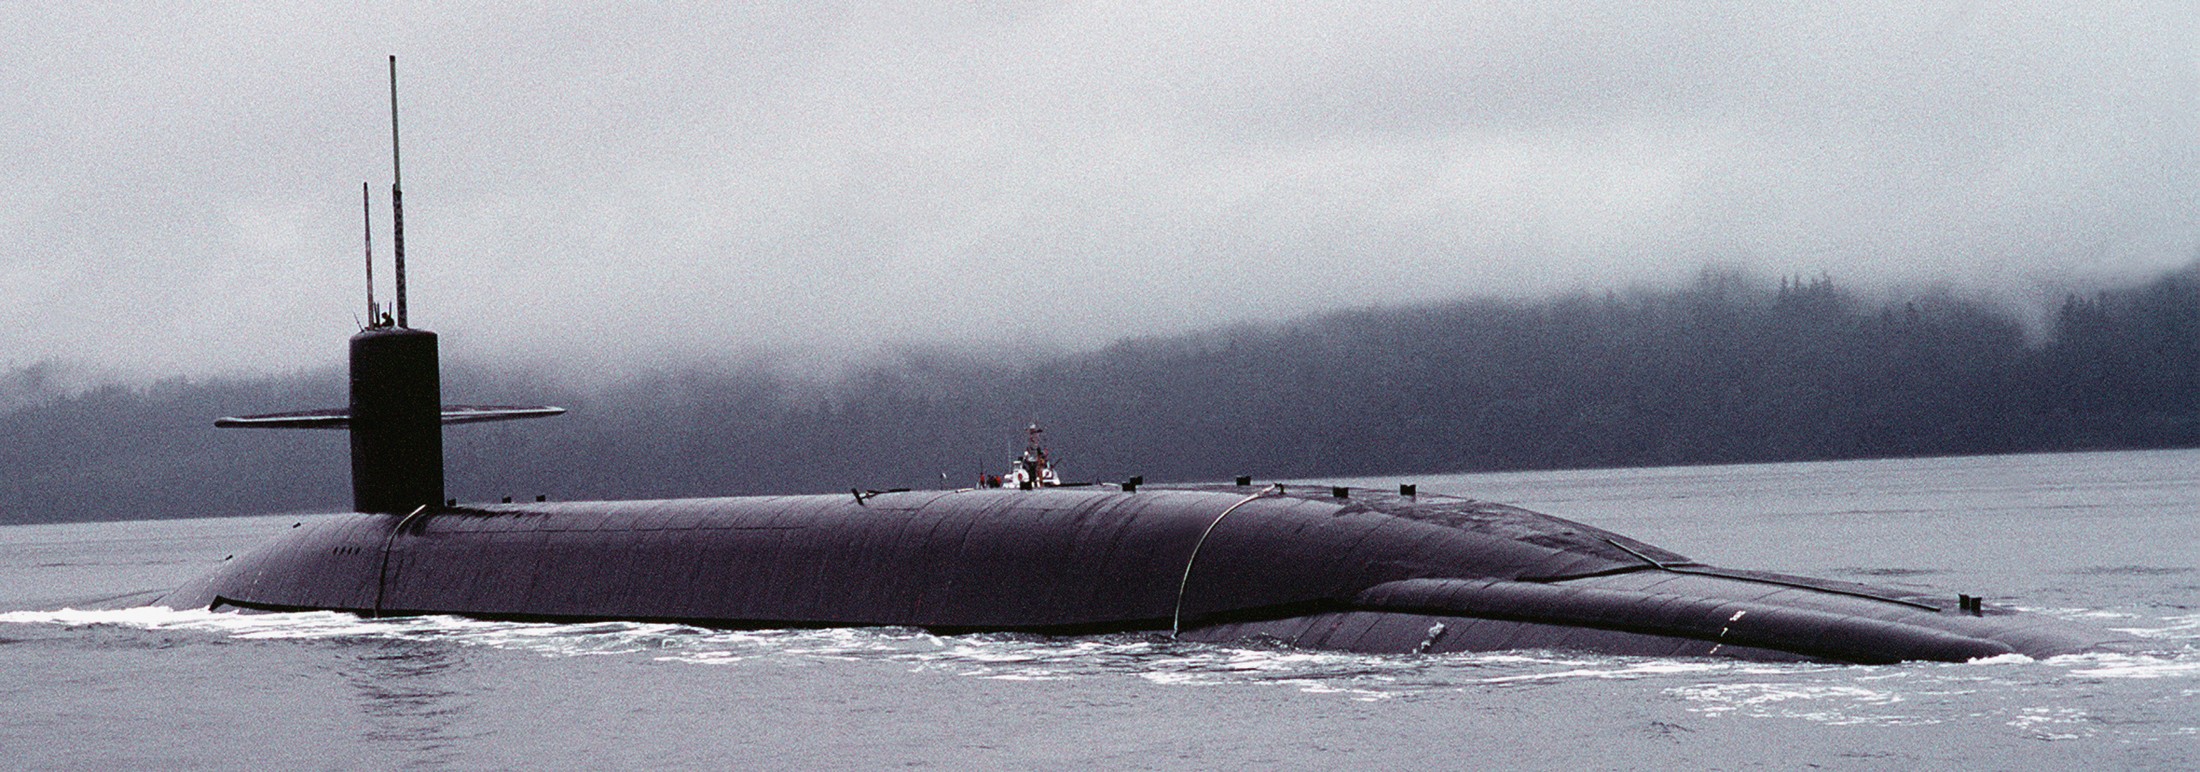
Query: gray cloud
611, 187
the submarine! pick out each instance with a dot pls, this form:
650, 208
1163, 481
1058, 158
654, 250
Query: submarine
1311, 566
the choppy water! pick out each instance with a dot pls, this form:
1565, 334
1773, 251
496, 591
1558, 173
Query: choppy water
91, 679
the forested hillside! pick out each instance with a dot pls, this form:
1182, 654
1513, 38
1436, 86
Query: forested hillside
1728, 369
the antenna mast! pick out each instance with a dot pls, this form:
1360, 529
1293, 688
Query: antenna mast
397, 196
366, 211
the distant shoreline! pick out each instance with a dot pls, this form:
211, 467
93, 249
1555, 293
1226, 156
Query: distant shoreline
1728, 370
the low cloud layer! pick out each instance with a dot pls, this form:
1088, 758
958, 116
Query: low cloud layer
612, 187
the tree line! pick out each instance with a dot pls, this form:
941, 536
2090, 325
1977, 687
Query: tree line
1730, 368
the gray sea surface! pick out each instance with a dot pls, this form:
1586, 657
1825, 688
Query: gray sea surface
91, 677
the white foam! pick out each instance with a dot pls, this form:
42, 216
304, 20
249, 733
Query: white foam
2130, 666
2043, 723
2176, 628
1833, 704
1833, 694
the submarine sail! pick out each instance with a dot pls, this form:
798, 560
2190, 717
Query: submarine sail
396, 413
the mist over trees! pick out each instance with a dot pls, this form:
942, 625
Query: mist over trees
1729, 369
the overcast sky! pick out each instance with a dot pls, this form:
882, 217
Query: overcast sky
611, 187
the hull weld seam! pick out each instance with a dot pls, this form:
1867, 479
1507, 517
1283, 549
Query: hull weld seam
382, 575
1176, 617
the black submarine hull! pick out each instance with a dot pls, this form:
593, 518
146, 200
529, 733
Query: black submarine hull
1364, 573
1350, 570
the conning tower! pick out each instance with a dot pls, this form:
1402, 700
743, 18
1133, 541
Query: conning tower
397, 414
396, 420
